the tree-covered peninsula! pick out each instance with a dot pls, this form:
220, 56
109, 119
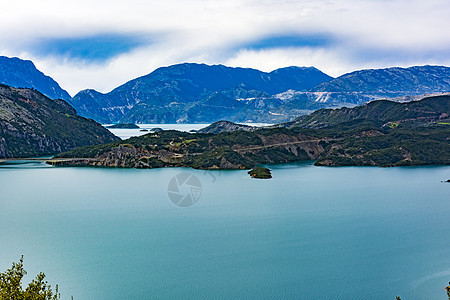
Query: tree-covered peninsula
381, 133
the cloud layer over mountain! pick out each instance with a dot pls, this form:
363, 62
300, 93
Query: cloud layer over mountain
101, 44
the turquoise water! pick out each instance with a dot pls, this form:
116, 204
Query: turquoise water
308, 233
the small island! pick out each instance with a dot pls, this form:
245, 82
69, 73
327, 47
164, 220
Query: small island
123, 126
260, 173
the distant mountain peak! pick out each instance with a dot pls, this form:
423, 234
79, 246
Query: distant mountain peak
306, 77
89, 91
298, 68
21, 73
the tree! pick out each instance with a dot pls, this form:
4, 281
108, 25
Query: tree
38, 289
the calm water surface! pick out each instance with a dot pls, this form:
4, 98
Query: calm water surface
309, 233
127, 133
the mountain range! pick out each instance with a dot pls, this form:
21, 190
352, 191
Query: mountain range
195, 93
199, 93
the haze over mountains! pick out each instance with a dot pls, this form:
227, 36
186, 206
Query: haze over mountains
199, 93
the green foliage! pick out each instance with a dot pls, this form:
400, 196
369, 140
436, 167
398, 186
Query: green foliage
276, 155
242, 138
37, 289
88, 151
260, 172
393, 114
397, 147
355, 142
215, 157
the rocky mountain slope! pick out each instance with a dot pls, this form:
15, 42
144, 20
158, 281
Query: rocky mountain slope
195, 93
303, 78
20, 73
391, 82
407, 134
199, 93
365, 85
33, 125
399, 84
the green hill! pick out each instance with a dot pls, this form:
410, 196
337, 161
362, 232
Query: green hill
428, 110
33, 125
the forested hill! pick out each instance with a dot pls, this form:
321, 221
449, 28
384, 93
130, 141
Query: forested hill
32, 125
415, 113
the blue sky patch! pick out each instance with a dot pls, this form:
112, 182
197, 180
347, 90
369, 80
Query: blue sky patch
291, 41
98, 48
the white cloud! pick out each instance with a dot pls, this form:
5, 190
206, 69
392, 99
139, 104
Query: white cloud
374, 33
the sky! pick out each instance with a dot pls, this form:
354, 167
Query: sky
102, 44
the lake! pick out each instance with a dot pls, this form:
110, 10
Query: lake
308, 233
127, 133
